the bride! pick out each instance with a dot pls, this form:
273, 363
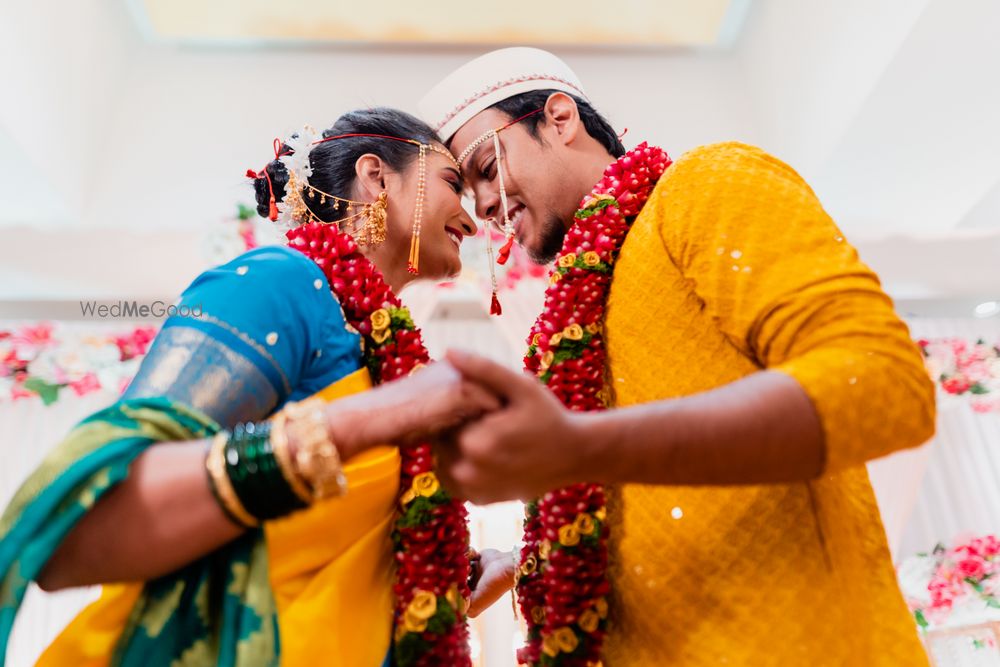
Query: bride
270, 522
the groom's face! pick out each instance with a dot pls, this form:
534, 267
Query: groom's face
539, 203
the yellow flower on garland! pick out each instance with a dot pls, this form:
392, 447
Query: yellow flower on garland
556, 339
567, 261
408, 497
601, 607
569, 536
538, 615
381, 336
550, 646
452, 596
426, 484
601, 514
536, 339
604, 396
554, 278
529, 565
594, 328
566, 639
585, 524
573, 332
547, 360
381, 319
423, 605
589, 620
544, 549
591, 258
413, 623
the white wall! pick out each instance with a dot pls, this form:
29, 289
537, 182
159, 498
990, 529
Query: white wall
189, 124
63, 64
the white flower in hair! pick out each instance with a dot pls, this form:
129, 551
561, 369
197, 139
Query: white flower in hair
299, 145
296, 161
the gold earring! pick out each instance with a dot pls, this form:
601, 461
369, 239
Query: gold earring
373, 232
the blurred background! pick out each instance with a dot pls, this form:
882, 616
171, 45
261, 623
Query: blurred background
126, 127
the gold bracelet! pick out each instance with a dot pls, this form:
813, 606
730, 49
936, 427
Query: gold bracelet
317, 459
215, 463
279, 445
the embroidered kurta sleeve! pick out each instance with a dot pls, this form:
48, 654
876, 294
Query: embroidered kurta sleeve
786, 288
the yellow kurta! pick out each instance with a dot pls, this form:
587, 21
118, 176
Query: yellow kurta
732, 267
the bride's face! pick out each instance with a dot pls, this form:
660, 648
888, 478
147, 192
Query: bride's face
445, 222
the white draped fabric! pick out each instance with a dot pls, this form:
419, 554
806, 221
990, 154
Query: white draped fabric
960, 491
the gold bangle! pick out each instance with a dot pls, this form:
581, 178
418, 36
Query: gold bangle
317, 459
215, 463
279, 445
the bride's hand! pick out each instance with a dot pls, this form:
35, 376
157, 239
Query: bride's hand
430, 401
493, 575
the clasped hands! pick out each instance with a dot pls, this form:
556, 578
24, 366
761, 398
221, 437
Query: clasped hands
497, 434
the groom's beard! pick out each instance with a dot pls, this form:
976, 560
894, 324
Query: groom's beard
550, 241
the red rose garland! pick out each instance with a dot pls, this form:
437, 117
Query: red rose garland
431, 536
562, 578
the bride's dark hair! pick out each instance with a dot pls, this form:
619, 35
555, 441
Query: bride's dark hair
333, 162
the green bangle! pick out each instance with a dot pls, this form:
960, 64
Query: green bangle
255, 474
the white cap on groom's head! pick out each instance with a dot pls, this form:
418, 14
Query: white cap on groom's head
491, 78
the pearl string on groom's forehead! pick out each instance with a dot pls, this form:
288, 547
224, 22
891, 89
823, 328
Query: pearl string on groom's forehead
478, 85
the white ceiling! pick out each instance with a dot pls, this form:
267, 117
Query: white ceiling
675, 23
121, 118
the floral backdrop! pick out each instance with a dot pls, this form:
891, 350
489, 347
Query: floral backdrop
43, 360
966, 370
954, 586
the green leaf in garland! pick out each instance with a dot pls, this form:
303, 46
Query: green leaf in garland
443, 618
418, 512
921, 619
48, 392
410, 648
979, 389
591, 210
401, 319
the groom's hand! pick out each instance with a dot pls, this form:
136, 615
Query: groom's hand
530, 445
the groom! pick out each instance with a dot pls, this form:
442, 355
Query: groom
753, 366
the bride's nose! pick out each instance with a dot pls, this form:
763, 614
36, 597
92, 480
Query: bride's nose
469, 227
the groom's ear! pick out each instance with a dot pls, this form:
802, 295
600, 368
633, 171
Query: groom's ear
562, 117
370, 171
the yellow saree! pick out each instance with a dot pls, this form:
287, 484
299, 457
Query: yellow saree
329, 568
